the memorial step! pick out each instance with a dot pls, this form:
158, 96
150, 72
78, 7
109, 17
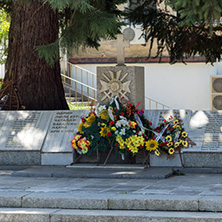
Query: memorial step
110, 201
54, 215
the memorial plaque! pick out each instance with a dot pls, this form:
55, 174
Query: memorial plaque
121, 81
203, 127
61, 131
23, 130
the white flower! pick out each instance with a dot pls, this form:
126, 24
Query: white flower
100, 109
122, 132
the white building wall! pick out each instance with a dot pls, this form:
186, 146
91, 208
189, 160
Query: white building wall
178, 86
2, 71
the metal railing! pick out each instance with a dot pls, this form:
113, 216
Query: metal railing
79, 84
80, 87
152, 104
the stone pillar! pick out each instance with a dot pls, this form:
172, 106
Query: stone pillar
121, 81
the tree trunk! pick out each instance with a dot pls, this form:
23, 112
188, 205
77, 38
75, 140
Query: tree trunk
39, 85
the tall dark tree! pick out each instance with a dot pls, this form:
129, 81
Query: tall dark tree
183, 28
35, 40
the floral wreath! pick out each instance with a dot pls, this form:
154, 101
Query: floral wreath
122, 126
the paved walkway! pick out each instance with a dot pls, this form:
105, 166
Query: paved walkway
40, 179
53, 194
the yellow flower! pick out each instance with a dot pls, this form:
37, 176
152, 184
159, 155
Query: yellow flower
134, 149
180, 141
122, 146
82, 143
170, 144
178, 126
133, 124
77, 137
120, 140
91, 118
176, 121
74, 146
104, 115
169, 138
104, 131
171, 151
184, 134
185, 143
129, 143
140, 140
80, 127
151, 145
176, 144
113, 128
174, 126
85, 150
157, 152
87, 124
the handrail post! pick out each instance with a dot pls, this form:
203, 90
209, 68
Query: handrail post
82, 86
70, 70
87, 83
76, 84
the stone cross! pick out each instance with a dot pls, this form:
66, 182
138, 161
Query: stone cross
120, 44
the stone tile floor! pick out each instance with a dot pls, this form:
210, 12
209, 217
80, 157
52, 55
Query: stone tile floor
189, 184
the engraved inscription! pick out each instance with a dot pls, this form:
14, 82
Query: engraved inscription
64, 122
167, 115
212, 140
23, 125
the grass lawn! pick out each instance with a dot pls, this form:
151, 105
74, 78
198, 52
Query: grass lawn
78, 106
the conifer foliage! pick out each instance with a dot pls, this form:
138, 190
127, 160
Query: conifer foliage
39, 29
183, 28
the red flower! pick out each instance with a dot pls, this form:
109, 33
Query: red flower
122, 113
116, 144
83, 120
112, 123
153, 137
164, 120
150, 123
109, 134
141, 111
158, 131
141, 147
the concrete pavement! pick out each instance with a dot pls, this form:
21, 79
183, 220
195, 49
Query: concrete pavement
197, 196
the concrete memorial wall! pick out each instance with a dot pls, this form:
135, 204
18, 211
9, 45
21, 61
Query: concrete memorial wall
203, 127
57, 149
44, 137
37, 137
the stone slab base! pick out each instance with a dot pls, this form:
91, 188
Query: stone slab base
202, 159
114, 158
56, 158
162, 161
20, 158
196, 160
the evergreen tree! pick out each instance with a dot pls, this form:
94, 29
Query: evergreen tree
183, 28
39, 29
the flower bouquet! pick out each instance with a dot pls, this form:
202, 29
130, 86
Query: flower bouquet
122, 127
